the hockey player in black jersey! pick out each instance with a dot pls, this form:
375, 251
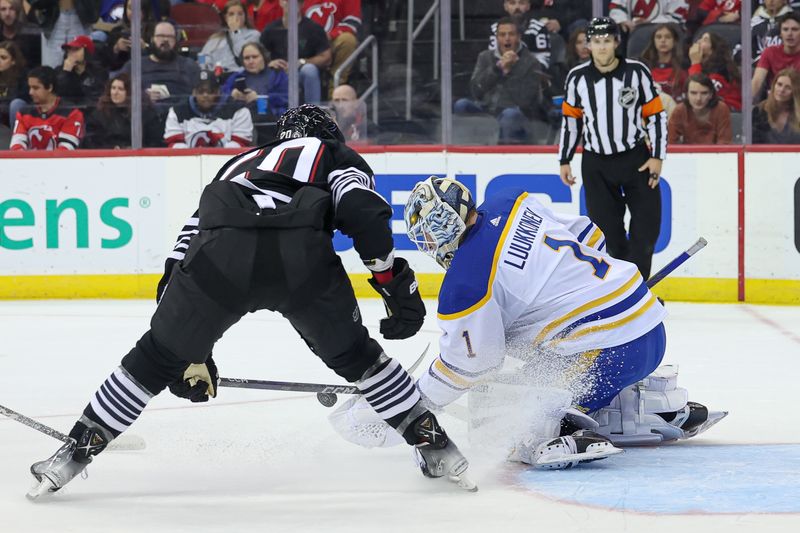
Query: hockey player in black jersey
262, 239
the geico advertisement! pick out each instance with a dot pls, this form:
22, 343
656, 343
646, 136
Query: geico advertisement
76, 216
121, 215
772, 216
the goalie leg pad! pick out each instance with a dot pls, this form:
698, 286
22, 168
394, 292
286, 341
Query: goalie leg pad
653, 411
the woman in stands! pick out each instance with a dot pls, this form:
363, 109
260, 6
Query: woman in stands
702, 118
109, 126
663, 55
13, 82
711, 55
776, 120
577, 48
264, 90
225, 46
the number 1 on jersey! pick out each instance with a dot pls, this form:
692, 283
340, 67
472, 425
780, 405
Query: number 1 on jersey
600, 266
470, 353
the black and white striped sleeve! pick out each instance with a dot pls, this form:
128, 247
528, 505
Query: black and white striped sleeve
571, 121
653, 114
360, 212
189, 230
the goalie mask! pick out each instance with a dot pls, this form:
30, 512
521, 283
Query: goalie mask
308, 120
436, 215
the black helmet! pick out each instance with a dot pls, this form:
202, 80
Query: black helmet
308, 120
602, 26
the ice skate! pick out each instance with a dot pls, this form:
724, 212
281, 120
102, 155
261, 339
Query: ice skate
693, 419
566, 451
438, 456
53, 473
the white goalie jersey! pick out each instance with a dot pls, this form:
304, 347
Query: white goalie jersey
526, 276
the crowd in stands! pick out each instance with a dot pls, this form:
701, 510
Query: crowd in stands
65, 70
67, 64
692, 48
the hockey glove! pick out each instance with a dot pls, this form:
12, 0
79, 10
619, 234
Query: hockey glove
403, 302
198, 383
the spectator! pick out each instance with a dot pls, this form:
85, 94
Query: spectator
779, 57
578, 48
663, 55
260, 12
535, 34
702, 118
764, 25
562, 16
711, 55
225, 46
506, 83
118, 46
341, 20
719, 11
80, 79
13, 27
351, 115
166, 76
62, 21
631, 13
47, 125
109, 125
256, 80
13, 87
204, 120
776, 120
314, 51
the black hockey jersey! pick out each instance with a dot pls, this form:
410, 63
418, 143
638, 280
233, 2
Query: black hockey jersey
272, 173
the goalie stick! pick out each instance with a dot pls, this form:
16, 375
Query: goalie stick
675, 263
121, 443
326, 394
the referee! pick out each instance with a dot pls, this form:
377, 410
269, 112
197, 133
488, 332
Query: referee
611, 100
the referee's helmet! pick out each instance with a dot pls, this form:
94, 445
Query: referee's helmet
435, 214
602, 26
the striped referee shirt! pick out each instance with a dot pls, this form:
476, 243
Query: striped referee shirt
612, 110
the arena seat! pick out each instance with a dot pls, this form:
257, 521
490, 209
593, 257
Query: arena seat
198, 21
475, 129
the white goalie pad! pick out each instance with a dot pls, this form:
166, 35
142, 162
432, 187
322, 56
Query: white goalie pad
632, 420
357, 422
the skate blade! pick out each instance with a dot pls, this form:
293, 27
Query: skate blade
585, 457
713, 418
42, 488
463, 481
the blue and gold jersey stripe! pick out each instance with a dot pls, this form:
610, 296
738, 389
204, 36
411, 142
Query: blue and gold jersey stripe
598, 302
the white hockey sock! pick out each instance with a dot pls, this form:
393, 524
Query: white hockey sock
118, 402
390, 390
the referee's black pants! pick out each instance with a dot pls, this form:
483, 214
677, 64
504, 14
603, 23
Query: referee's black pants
611, 183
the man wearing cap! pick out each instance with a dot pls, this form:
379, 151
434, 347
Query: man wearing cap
166, 76
203, 120
80, 79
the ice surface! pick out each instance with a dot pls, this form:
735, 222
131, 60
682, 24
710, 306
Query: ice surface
269, 461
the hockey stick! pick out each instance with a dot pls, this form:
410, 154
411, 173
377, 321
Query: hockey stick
121, 443
675, 263
326, 394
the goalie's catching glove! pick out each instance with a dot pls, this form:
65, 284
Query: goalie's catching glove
198, 383
403, 302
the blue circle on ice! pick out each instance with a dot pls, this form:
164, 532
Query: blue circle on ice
679, 479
